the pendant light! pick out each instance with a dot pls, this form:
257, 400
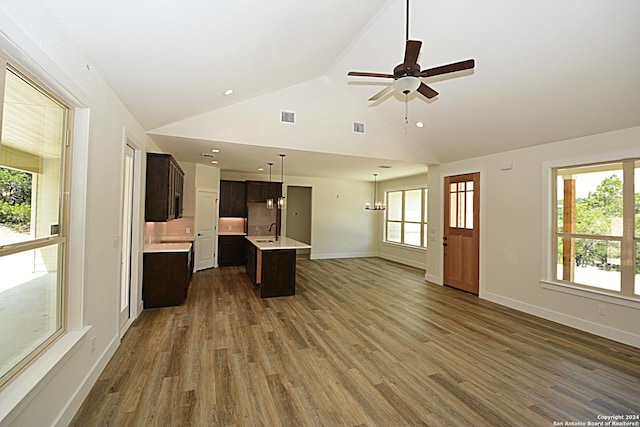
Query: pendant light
270, 200
377, 206
281, 198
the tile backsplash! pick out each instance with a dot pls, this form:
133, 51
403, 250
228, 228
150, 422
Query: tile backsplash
175, 230
260, 218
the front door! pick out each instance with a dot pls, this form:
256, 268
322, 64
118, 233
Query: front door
461, 240
206, 236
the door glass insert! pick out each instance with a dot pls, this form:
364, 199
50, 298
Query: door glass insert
461, 205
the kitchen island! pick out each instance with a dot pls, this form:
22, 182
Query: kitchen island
271, 264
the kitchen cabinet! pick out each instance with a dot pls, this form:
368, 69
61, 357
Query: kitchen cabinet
233, 199
231, 250
260, 191
166, 276
164, 189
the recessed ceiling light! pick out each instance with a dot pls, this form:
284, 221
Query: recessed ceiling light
260, 169
419, 124
215, 150
228, 92
214, 161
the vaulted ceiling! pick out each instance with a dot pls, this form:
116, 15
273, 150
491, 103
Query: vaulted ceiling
545, 71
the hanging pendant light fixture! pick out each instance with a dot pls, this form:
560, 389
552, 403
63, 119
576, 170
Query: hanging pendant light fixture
270, 200
281, 198
377, 206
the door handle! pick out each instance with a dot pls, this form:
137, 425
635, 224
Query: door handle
444, 244
199, 234
444, 238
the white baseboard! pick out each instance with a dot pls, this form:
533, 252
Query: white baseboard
343, 255
81, 393
433, 279
404, 261
574, 322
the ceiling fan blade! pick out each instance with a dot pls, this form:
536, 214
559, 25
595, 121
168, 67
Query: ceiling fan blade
366, 74
450, 68
411, 52
427, 91
382, 93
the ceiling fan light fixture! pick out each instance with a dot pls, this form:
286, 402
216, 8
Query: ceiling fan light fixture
407, 84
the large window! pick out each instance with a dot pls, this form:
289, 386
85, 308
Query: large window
597, 233
33, 226
406, 220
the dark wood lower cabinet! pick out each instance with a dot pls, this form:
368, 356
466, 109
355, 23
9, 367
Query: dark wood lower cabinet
165, 278
231, 250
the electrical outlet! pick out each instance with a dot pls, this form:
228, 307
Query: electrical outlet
187, 230
93, 344
601, 309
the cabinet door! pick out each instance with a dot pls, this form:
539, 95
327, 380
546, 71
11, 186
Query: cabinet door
225, 199
274, 190
239, 199
256, 192
231, 250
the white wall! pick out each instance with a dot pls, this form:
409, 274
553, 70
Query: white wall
50, 391
415, 257
514, 232
340, 226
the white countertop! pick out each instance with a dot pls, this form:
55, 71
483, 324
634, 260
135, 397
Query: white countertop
167, 247
265, 243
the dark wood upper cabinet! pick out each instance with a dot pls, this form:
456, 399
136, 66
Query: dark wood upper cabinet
233, 199
260, 191
165, 188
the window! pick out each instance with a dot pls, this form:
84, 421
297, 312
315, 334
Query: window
597, 232
33, 226
406, 221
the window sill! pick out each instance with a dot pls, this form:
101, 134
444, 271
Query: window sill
403, 246
591, 294
32, 379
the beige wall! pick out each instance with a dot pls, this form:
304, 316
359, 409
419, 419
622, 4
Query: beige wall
515, 229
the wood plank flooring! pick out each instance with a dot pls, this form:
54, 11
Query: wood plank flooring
364, 342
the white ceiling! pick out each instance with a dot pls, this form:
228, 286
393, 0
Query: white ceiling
547, 70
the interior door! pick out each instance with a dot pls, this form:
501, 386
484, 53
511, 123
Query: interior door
461, 240
127, 228
206, 235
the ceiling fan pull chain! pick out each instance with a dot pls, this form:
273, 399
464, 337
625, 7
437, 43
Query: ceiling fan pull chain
406, 109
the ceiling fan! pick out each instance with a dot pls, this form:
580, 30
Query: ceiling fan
407, 75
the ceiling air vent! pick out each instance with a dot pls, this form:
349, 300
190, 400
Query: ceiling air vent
287, 117
208, 155
358, 127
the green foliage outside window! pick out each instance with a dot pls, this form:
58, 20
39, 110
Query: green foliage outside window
15, 199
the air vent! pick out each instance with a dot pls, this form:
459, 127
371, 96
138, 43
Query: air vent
358, 127
287, 117
208, 155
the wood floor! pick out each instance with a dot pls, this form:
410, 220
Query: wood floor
364, 342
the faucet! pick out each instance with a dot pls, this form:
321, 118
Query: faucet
271, 226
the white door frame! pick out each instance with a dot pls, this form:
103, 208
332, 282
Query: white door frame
137, 231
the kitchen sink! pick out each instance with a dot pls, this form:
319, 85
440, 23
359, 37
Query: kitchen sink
265, 240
